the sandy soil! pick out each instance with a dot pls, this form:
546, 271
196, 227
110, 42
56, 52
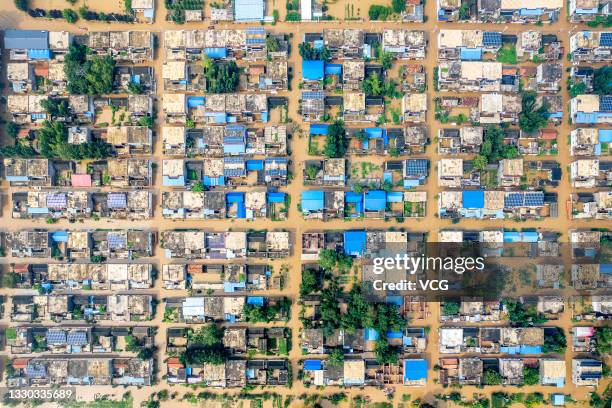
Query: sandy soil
11, 18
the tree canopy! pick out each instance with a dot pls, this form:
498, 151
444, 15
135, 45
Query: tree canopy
221, 78
53, 143
336, 142
531, 118
309, 53
88, 76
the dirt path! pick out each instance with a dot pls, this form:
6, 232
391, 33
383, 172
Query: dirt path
11, 18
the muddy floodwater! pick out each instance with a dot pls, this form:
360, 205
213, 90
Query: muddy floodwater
11, 18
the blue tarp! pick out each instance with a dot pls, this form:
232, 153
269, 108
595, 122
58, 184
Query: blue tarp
356, 199
177, 181
216, 52
473, 199
319, 129
558, 400
232, 198
605, 269
395, 197
588, 118
605, 135
394, 335
415, 370
395, 300
313, 200
531, 12
255, 300
333, 69
527, 236
313, 365
195, 101
60, 236
470, 54
370, 335
254, 165
276, 197
375, 200
39, 54
313, 70
354, 242
26, 39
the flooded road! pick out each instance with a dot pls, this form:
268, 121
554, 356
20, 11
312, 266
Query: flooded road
11, 18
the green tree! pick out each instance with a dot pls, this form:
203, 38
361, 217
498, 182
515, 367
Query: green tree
398, 5
577, 89
221, 78
310, 281
12, 129
531, 376
336, 358
386, 60
530, 118
385, 354
21, 5
336, 142
372, 85
70, 16
208, 335
492, 377
480, 162
309, 53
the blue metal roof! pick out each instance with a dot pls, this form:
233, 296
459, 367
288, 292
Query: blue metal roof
26, 39
370, 334
195, 101
415, 370
395, 197
116, 200
605, 135
255, 300
56, 337
473, 199
254, 165
216, 52
78, 338
492, 39
605, 103
531, 12
172, 182
313, 70
312, 95
319, 129
313, 200
313, 365
375, 200
416, 167
248, 10
234, 198
354, 242
39, 54
276, 197
353, 197
470, 54
605, 39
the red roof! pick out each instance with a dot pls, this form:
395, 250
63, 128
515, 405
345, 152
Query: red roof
174, 362
548, 134
20, 363
80, 180
20, 268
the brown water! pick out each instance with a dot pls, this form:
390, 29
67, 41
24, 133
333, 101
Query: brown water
11, 18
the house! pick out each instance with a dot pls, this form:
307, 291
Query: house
354, 104
414, 107
29, 172
120, 276
312, 105
539, 11
467, 139
130, 307
130, 140
126, 173
353, 73
592, 205
354, 372
21, 76
586, 372
470, 76
27, 44
174, 107
588, 173
194, 205
591, 109
123, 46
591, 46
467, 45
174, 140
590, 141
463, 371
175, 75
548, 77
26, 108
450, 173
173, 172
345, 43
584, 339
510, 172
122, 244
212, 308
144, 9
312, 341
29, 244
312, 74
448, 10
318, 204
583, 11
404, 44
249, 10
498, 108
